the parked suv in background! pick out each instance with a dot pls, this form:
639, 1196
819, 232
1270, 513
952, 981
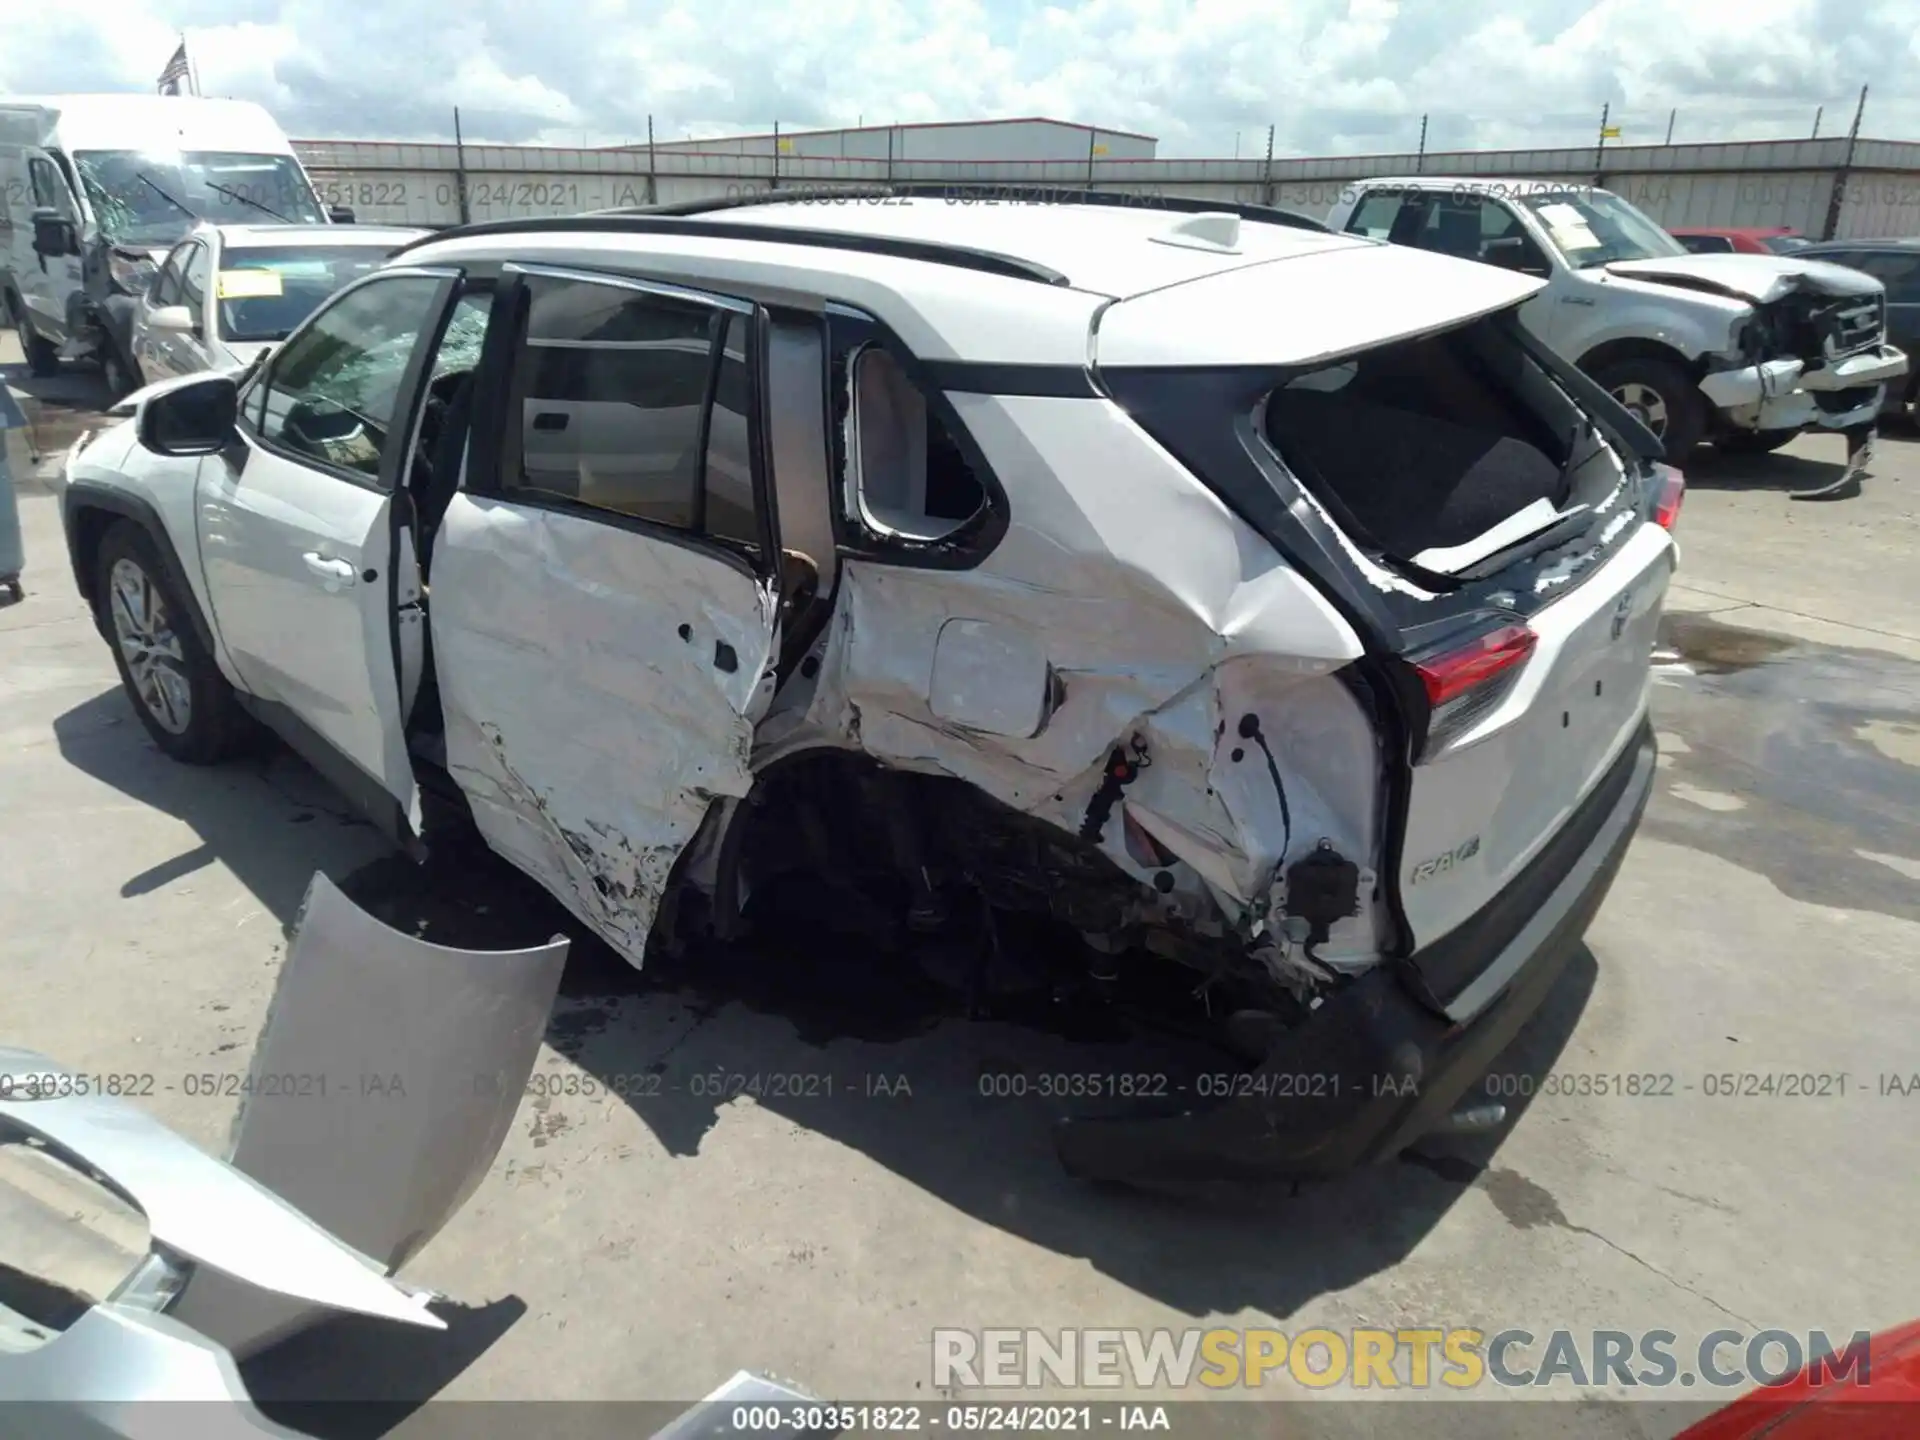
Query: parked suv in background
1896, 265
971, 565
227, 293
1744, 350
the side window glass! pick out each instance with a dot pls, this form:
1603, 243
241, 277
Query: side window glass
333, 389
1374, 215
193, 280
166, 288
611, 390
731, 512
49, 191
1899, 272
907, 477
1459, 226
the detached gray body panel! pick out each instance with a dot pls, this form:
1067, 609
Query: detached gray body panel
109, 1376
380, 1092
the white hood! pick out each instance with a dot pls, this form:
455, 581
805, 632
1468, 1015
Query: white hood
1757, 278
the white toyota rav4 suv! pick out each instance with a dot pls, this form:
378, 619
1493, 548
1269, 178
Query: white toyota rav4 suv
1244, 601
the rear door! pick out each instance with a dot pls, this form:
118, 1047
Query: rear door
307, 571
604, 589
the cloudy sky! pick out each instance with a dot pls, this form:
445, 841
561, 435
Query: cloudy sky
1334, 76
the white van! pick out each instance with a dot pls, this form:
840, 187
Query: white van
96, 189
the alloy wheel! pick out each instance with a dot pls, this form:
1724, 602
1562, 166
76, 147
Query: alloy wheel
1646, 405
143, 629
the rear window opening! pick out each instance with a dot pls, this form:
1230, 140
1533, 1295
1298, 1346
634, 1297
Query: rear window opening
1440, 453
908, 478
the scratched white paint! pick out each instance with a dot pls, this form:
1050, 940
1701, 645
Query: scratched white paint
589, 733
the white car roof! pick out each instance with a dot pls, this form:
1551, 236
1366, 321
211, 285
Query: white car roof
980, 308
1113, 250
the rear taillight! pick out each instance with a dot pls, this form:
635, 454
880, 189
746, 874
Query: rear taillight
1464, 680
1669, 489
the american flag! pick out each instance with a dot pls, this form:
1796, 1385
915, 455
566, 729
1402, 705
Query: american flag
176, 74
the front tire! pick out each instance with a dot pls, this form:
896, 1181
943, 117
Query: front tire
1752, 442
176, 688
121, 373
1663, 398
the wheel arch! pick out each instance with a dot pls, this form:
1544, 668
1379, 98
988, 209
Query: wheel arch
90, 511
1639, 347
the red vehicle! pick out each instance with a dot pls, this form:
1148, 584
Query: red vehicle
1881, 1402
1739, 240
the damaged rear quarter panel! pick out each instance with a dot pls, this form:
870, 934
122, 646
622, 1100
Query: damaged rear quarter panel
595, 682
1163, 617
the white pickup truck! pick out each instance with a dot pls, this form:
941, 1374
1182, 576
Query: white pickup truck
1744, 350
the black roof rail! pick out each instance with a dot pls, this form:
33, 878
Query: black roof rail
983, 192
666, 221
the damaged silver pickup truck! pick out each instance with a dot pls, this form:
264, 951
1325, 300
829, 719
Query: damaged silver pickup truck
1746, 351
1255, 604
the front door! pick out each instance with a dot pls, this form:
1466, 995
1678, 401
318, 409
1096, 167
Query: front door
50, 281
603, 590
307, 573
153, 349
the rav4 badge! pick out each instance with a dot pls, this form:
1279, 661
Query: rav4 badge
1446, 860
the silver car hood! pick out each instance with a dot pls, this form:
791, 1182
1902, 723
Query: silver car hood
1760, 279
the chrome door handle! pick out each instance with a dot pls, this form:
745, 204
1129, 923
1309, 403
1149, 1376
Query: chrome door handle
337, 572
1575, 300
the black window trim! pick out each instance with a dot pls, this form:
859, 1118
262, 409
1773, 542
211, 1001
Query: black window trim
847, 329
179, 271
406, 397
493, 379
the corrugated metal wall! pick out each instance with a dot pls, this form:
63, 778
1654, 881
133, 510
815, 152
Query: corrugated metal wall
1780, 182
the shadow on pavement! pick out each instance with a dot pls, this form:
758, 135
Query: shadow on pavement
354, 1379
268, 818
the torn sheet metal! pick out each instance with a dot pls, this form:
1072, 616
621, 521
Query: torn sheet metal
197, 1207
1164, 625
596, 686
379, 1094
109, 1375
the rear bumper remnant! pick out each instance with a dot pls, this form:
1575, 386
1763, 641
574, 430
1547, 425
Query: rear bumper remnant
1380, 1066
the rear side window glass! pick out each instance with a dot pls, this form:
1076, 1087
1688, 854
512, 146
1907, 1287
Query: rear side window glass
1428, 444
637, 404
